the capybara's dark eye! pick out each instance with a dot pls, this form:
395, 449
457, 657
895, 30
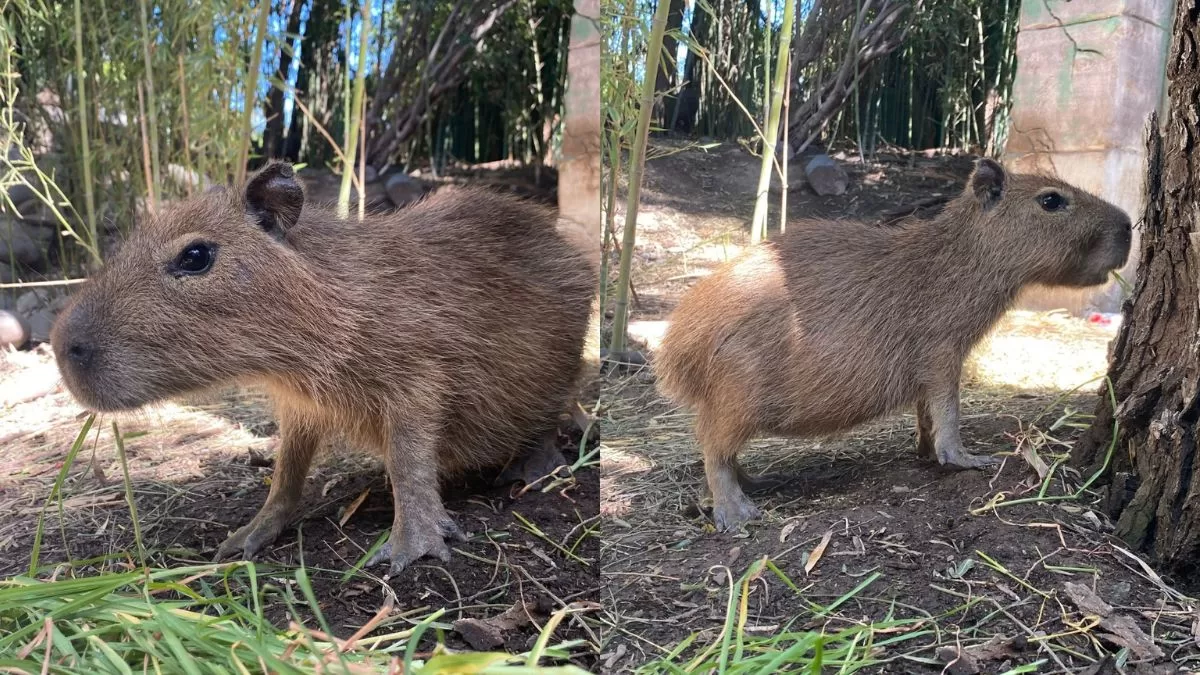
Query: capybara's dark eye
1052, 201
196, 258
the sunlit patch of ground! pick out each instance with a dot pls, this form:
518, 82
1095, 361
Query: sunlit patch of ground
1042, 351
39, 420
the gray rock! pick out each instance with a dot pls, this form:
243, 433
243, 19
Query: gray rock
20, 193
371, 174
23, 242
36, 212
13, 333
825, 176
33, 300
7, 275
403, 189
40, 323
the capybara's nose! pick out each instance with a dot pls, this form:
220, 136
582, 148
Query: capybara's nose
81, 354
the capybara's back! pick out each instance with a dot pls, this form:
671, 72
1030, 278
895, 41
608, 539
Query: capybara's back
484, 293
837, 322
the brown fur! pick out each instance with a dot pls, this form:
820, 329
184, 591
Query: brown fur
836, 323
445, 336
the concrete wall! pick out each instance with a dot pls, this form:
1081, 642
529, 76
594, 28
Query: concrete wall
1089, 72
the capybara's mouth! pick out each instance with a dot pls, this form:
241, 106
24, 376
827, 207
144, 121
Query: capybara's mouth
104, 399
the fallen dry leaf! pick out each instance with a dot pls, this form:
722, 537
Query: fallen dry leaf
362, 497
487, 634
817, 552
1121, 630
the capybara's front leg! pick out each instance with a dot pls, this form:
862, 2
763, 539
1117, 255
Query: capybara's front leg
420, 524
942, 404
298, 443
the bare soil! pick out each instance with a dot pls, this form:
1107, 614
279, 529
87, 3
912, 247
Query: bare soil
949, 551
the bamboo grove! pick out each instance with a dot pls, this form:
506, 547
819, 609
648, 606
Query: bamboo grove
864, 74
204, 91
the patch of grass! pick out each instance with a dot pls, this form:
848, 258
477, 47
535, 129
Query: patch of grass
799, 646
210, 619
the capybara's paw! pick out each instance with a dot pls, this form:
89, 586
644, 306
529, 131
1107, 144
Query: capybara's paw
416, 538
250, 539
730, 514
531, 468
958, 458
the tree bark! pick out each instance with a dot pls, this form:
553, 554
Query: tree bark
664, 104
1153, 485
579, 165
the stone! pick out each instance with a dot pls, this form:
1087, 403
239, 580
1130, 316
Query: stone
36, 212
31, 301
825, 176
403, 189
40, 323
371, 174
23, 242
13, 333
20, 193
7, 275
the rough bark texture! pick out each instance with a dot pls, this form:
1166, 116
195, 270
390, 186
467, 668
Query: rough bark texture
1153, 482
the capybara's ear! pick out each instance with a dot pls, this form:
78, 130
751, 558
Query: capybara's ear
987, 182
275, 198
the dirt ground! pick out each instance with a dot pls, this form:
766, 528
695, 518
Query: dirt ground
991, 585
201, 469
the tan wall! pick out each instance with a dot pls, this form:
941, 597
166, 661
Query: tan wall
1089, 72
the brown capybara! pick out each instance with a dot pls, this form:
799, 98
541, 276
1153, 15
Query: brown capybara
446, 336
836, 323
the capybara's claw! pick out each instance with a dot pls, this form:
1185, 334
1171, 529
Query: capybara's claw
959, 458
250, 539
730, 514
412, 541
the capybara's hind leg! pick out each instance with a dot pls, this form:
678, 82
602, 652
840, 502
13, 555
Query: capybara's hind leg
925, 449
731, 507
298, 443
947, 441
762, 482
538, 462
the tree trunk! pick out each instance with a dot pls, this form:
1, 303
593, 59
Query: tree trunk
273, 134
664, 105
579, 165
1153, 485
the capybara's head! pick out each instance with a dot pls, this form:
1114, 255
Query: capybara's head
204, 292
1063, 235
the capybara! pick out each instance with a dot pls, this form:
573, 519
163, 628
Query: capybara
834, 323
445, 336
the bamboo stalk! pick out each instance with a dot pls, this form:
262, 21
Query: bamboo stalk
187, 129
362, 161
151, 108
787, 150
151, 198
81, 80
260, 36
758, 225
360, 78
637, 160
